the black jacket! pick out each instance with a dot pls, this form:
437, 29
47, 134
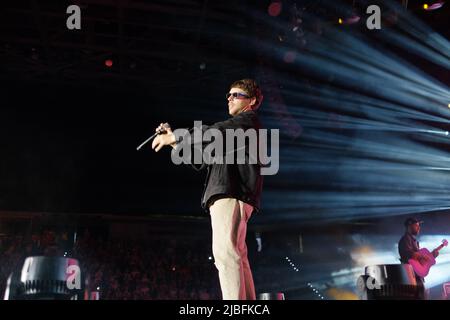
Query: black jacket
240, 181
406, 248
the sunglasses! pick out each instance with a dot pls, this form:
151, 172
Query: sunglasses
237, 95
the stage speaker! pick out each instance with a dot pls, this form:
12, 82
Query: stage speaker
271, 296
48, 278
389, 282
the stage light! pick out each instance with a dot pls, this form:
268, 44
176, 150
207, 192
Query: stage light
434, 6
47, 278
349, 20
275, 8
108, 63
353, 19
271, 296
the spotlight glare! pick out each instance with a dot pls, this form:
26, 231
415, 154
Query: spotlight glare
353, 19
349, 20
436, 5
275, 8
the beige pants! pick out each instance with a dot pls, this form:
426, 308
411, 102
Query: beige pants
229, 219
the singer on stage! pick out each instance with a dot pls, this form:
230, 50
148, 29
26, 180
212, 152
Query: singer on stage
232, 192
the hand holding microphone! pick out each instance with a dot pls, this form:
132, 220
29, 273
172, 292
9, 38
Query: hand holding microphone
162, 129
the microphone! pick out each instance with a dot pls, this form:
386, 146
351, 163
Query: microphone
162, 131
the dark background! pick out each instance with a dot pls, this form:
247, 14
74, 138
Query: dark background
70, 125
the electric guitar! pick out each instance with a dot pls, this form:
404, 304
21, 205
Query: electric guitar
423, 268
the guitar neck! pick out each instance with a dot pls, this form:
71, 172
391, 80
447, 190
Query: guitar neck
440, 247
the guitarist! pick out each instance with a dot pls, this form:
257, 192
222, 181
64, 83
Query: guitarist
408, 247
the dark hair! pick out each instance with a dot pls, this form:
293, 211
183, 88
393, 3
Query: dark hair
251, 88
